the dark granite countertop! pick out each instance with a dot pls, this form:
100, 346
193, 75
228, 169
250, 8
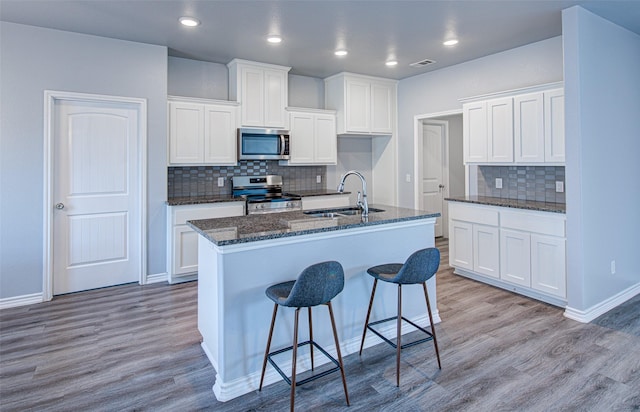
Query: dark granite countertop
251, 228
179, 201
513, 203
318, 192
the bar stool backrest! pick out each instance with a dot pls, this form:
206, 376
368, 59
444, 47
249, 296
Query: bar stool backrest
316, 285
419, 267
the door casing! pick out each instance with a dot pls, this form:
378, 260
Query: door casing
50, 99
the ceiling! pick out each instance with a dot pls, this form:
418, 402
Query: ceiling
372, 31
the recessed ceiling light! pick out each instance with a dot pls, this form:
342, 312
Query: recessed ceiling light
391, 63
189, 21
274, 39
451, 42
341, 53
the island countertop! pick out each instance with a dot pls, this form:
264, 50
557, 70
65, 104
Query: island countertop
513, 203
252, 228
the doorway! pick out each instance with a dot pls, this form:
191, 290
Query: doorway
95, 161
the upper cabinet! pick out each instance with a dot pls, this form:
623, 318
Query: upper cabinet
262, 91
365, 105
202, 131
515, 128
313, 137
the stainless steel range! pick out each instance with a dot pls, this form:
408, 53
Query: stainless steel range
264, 194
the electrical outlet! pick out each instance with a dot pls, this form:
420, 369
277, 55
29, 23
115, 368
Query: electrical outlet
407, 178
613, 267
498, 183
559, 187
220, 181
318, 179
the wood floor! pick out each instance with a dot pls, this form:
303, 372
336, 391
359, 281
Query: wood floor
133, 348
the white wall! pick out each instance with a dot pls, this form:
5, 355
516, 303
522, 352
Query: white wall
439, 91
33, 60
602, 103
354, 153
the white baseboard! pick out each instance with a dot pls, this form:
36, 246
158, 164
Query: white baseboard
586, 316
23, 300
156, 278
225, 391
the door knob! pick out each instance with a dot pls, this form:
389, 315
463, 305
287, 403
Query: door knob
441, 186
59, 206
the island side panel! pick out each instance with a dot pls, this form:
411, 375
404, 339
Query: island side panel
246, 270
209, 301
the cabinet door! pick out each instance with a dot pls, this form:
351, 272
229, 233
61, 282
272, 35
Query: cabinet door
486, 250
474, 132
220, 135
185, 258
325, 145
548, 267
252, 96
554, 126
381, 108
500, 130
529, 139
515, 257
358, 106
461, 244
186, 133
275, 99
302, 138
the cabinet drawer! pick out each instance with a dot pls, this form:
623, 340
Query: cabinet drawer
485, 215
534, 222
208, 211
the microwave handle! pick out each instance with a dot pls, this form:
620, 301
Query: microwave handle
282, 145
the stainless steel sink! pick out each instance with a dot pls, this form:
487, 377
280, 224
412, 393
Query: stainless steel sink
339, 212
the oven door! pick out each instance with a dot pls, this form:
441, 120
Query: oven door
263, 144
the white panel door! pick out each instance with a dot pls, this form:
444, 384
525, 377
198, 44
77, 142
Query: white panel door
548, 267
326, 141
461, 244
500, 131
358, 111
528, 116
486, 250
275, 98
252, 97
302, 138
515, 257
554, 126
381, 108
186, 133
97, 191
432, 173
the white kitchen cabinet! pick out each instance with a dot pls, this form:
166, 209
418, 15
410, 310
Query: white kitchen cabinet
182, 241
262, 90
517, 249
517, 127
202, 132
325, 201
473, 238
365, 105
313, 137
554, 142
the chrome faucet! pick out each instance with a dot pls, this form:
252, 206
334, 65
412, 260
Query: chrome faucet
362, 197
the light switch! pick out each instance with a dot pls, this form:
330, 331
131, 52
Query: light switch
407, 178
220, 181
318, 179
498, 183
559, 187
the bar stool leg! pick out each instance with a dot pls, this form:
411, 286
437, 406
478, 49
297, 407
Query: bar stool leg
266, 352
399, 339
433, 329
335, 338
366, 322
311, 337
295, 358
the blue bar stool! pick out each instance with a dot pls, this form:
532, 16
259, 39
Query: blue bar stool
316, 285
418, 268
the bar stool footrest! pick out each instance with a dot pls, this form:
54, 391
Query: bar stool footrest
310, 378
406, 345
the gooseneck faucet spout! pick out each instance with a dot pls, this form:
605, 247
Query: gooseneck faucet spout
362, 197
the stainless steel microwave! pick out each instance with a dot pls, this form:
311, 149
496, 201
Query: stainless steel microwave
263, 144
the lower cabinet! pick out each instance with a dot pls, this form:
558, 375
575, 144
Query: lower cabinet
324, 202
520, 250
182, 241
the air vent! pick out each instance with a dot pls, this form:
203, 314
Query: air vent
422, 63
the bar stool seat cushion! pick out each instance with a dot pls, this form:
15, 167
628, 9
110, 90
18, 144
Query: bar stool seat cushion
316, 285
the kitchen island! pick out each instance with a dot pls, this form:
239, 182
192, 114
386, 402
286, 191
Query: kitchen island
239, 257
